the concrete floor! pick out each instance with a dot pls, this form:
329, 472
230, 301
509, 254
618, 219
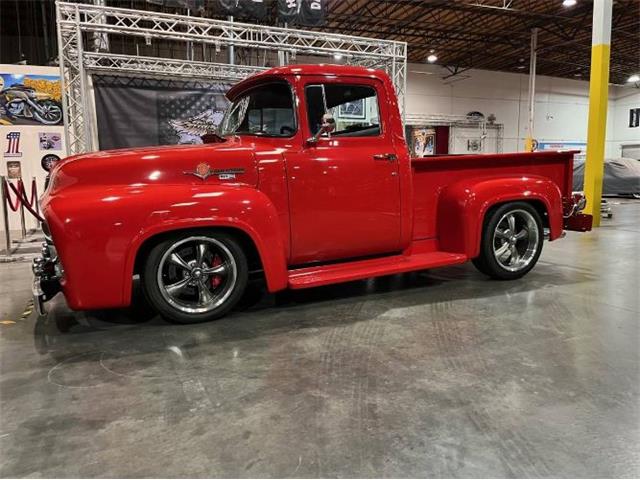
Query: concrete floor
442, 373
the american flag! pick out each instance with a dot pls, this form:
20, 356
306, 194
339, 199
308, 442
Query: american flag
13, 147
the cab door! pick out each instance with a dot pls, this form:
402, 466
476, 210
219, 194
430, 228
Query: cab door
344, 189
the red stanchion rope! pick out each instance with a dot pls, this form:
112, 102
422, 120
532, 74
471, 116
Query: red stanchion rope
11, 205
34, 193
22, 197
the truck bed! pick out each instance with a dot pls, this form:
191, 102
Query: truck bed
431, 175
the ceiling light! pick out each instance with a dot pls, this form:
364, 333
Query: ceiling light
634, 78
432, 58
569, 3
337, 56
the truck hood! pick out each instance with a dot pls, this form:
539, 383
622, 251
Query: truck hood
233, 161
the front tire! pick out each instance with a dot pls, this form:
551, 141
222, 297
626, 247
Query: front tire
195, 277
511, 241
51, 112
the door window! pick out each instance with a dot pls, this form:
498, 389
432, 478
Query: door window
264, 111
354, 109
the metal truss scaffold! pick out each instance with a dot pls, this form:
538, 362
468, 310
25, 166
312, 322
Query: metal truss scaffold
165, 67
81, 24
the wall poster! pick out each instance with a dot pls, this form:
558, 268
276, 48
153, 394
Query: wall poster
27, 99
423, 142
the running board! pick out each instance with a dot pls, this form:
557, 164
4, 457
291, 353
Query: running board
346, 272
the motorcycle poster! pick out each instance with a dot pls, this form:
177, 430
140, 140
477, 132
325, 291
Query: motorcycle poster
27, 99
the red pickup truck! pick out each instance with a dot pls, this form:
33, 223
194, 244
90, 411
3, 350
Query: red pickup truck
310, 182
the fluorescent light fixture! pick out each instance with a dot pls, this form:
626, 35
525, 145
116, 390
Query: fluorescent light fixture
432, 58
569, 3
634, 78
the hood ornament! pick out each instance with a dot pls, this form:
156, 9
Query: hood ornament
204, 171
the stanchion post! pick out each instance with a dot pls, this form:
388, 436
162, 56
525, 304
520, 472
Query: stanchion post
37, 201
5, 214
23, 226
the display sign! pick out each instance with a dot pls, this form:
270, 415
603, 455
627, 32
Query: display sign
557, 146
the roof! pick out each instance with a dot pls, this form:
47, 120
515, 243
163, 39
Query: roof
322, 69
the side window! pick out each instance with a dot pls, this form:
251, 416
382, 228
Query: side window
264, 111
354, 108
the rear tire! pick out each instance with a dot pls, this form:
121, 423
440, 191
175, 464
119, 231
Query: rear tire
194, 277
511, 242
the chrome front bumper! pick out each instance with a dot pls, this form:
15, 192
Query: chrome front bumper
47, 273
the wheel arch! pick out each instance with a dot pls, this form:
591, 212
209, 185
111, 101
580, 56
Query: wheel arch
258, 257
464, 207
243, 238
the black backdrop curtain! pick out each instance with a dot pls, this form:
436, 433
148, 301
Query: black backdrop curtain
136, 112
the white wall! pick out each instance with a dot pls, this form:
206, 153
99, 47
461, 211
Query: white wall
561, 108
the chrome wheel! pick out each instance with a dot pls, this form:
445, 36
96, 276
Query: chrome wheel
515, 240
197, 274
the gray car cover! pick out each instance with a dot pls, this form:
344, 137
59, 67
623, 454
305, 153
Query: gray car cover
621, 176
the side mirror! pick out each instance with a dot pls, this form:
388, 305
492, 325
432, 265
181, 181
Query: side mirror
328, 126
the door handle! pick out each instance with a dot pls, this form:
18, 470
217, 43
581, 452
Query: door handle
390, 157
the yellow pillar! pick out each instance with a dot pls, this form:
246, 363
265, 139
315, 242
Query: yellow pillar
598, 97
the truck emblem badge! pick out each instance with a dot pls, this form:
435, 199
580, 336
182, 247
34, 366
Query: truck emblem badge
204, 171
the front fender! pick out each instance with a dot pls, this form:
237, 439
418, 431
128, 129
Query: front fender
245, 209
462, 207
110, 227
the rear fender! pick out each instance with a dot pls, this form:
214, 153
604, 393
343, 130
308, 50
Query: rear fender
241, 208
462, 207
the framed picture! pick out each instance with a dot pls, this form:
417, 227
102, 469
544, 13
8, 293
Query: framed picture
424, 142
355, 109
50, 141
14, 170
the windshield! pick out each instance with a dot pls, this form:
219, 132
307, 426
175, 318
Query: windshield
263, 111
